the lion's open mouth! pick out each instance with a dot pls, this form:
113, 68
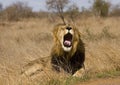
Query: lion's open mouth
67, 40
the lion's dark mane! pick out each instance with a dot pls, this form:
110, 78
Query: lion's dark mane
73, 64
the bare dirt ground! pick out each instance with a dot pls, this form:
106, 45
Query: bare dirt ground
104, 81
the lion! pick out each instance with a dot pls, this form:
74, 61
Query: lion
68, 52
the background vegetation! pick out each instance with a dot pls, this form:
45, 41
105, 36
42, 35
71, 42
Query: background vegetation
59, 8
25, 35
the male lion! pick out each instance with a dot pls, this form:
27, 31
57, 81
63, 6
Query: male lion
68, 52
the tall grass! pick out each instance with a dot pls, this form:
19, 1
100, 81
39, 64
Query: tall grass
27, 40
105, 34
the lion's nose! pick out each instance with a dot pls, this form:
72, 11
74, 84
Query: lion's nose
68, 28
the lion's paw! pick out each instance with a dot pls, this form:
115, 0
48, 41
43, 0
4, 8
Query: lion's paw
79, 73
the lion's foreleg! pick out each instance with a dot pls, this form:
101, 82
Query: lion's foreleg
80, 72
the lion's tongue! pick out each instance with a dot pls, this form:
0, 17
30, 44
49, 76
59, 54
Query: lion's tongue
67, 43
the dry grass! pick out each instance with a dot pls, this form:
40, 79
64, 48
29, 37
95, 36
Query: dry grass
27, 40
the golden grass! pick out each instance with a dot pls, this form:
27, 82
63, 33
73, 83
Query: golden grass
27, 40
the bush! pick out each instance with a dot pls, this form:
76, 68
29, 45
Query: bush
101, 8
73, 12
115, 11
17, 11
58, 7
